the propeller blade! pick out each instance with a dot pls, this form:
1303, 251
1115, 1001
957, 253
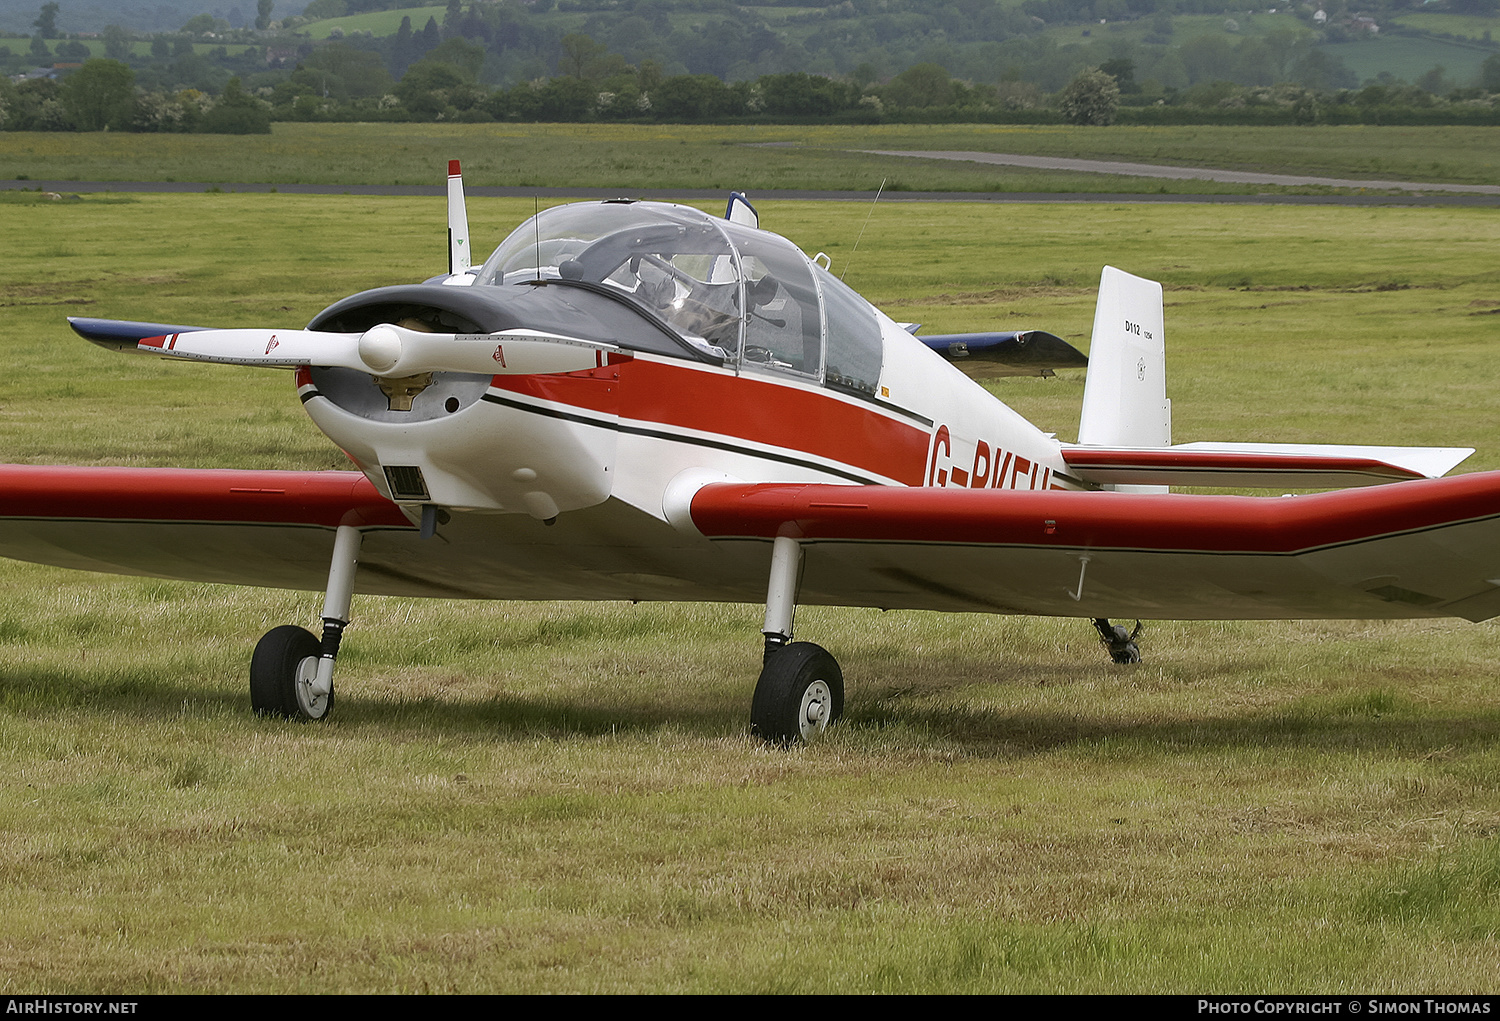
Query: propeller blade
386, 350
459, 258
517, 352
277, 349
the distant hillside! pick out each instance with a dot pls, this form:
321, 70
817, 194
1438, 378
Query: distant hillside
854, 61
1176, 43
17, 16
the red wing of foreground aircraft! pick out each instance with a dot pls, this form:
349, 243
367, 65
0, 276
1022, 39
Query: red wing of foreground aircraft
636, 400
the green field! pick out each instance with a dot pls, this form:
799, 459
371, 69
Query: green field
563, 797
143, 48
1408, 58
1471, 26
1184, 28
377, 23
749, 157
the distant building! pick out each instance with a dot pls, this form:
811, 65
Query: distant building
1321, 17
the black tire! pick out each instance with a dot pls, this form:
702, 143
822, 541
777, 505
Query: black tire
799, 695
274, 668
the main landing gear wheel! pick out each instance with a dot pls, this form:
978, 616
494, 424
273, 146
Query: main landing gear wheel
282, 672
799, 695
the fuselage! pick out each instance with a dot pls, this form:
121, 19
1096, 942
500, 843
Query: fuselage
779, 373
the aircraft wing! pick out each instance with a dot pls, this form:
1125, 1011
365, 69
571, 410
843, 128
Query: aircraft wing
1264, 465
1428, 548
269, 528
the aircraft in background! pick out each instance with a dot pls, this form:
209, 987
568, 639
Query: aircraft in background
642, 401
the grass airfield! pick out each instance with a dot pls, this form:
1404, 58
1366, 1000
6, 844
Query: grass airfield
753, 157
563, 797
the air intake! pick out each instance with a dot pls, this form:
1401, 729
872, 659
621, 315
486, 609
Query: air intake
406, 482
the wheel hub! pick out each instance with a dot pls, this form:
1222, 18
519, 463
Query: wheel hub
813, 719
313, 705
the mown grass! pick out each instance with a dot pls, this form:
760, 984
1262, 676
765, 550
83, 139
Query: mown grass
755, 157
562, 797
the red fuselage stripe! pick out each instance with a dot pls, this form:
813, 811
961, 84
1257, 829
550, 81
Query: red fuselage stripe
184, 494
1096, 520
789, 417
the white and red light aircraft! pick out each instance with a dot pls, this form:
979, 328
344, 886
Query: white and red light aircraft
636, 400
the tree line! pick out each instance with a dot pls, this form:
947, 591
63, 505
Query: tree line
101, 95
455, 70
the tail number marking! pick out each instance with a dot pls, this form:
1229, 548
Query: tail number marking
992, 467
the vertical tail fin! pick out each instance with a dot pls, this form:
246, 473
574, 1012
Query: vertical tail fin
459, 260
1125, 393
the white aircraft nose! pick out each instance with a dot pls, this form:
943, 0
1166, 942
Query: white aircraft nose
380, 349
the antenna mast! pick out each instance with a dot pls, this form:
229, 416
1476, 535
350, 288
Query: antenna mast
850, 261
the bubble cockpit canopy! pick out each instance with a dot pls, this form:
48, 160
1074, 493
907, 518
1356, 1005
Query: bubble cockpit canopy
747, 294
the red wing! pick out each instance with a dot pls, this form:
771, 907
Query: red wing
272, 528
1426, 548
329, 498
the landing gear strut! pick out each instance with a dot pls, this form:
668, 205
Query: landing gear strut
291, 672
1119, 642
801, 688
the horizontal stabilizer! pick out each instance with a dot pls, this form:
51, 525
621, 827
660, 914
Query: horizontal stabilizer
1260, 465
1019, 353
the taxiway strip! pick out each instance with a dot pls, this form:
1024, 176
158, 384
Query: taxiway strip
718, 194
1157, 170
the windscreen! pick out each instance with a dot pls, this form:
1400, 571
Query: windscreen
751, 295
674, 260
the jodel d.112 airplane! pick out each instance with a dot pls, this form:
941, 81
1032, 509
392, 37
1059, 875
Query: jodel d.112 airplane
636, 400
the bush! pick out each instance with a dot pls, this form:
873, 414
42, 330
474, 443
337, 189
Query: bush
236, 113
1091, 98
